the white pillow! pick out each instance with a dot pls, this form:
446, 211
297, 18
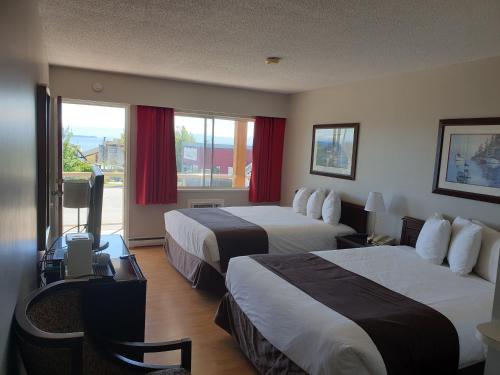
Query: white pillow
432, 242
331, 208
487, 262
315, 203
300, 200
464, 245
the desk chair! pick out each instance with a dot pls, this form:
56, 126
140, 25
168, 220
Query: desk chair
53, 338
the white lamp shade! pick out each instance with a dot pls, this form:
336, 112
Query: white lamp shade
76, 194
375, 202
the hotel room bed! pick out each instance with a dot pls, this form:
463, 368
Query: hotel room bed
194, 250
283, 329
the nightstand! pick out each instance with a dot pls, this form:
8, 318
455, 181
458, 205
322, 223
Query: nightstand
353, 240
489, 333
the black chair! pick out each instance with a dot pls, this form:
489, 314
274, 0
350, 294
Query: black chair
52, 339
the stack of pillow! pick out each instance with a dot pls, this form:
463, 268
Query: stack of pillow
467, 245
318, 204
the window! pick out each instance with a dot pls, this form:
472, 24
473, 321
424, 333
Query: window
213, 152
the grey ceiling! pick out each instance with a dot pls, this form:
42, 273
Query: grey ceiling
225, 42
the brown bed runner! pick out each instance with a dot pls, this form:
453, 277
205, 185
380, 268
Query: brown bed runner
411, 337
235, 236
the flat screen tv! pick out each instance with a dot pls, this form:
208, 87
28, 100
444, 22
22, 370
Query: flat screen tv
95, 208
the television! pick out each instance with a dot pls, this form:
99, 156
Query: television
94, 219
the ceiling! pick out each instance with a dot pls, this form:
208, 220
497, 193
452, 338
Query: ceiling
322, 42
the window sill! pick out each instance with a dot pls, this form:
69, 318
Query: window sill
205, 190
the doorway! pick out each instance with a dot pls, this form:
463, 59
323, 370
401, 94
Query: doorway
95, 134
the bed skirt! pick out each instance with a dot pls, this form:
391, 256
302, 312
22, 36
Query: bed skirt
266, 358
201, 274
263, 355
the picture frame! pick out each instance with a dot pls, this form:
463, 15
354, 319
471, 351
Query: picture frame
334, 150
468, 159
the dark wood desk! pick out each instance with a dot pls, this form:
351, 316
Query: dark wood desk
115, 307
116, 248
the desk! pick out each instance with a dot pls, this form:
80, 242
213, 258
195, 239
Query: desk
114, 307
116, 248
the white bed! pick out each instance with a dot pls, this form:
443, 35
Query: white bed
288, 232
321, 341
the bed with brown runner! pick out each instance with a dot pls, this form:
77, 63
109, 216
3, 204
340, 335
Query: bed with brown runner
199, 242
375, 310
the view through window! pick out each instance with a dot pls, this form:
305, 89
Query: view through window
95, 134
213, 152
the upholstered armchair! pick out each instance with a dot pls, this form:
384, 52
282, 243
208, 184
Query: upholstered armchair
52, 339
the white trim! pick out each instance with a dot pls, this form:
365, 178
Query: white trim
94, 102
190, 113
208, 190
126, 182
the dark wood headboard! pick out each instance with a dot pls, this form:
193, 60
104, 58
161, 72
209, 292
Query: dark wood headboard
354, 215
410, 231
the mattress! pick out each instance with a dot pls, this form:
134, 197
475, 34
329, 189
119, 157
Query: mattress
288, 232
322, 341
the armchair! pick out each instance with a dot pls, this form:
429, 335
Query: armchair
53, 338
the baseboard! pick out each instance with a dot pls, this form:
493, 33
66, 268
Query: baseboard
148, 241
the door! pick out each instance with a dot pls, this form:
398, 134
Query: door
91, 133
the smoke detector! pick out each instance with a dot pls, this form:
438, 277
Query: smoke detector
97, 86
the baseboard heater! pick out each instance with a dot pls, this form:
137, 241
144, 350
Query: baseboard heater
145, 241
205, 203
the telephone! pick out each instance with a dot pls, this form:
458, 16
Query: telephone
382, 240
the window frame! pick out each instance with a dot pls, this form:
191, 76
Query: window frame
212, 117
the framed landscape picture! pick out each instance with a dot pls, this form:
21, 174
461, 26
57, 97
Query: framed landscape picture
468, 159
334, 149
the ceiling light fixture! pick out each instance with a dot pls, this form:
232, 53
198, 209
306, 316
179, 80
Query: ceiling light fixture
273, 60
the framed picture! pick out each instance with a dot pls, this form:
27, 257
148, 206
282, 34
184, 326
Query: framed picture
468, 159
334, 149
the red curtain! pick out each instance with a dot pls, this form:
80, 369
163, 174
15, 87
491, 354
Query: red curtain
265, 182
156, 171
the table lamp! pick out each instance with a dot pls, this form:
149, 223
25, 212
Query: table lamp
374, 203
76, 195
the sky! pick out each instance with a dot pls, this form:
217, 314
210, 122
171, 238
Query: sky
101, 121
94, 120
223, 129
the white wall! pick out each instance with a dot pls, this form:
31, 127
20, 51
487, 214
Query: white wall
399, 119
22, 66
147, 221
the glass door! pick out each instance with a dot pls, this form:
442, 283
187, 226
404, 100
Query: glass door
93, 134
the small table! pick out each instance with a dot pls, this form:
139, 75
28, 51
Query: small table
351, 241
489, 334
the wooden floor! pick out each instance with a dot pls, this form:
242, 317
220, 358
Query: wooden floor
175, 310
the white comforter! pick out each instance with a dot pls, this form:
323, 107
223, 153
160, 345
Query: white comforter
288, 231
321, 341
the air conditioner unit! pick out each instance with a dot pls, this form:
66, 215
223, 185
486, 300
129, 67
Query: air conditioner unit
205, 203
